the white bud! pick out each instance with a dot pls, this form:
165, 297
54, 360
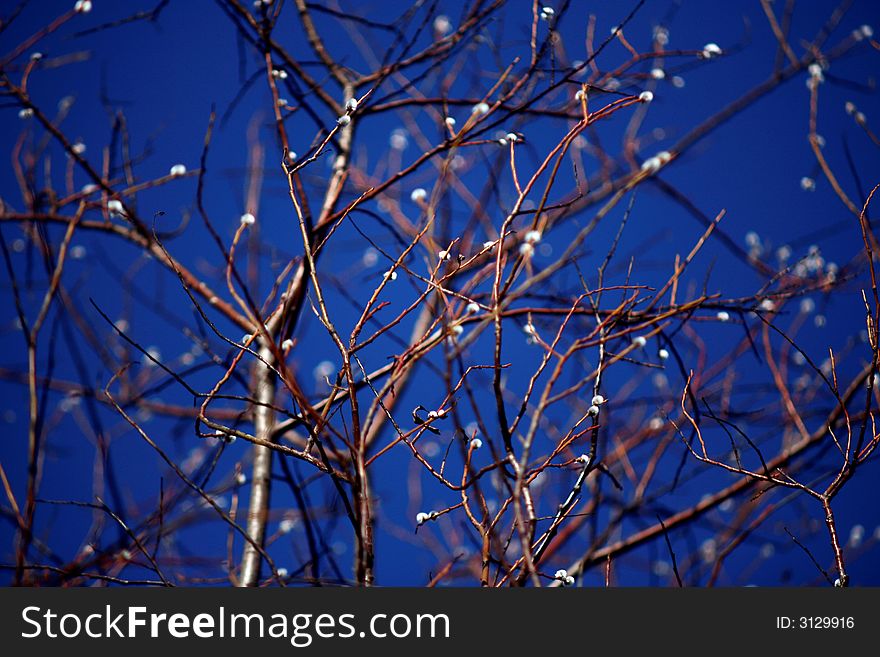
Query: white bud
324, 370
287, 345
489, 244
547, 13
723, 316
343, 120
658, 73
25, 113
279, 73
444, 255
561, 574
512, 137
646, 96
640, 341
36, 56
115, 208
583, 458
398, 140
526, 250
652, 164
502, 142
286, 526
78, 147
390, 275
580, 95
533, 237
480, 108
476, 443
593, 411
449, 121
663, 354
661, 35
177, 170
247, 219
442, 25
418, 194
568, 581
711, 50
351, 105
241, 479
422, 517
82, 6
282, 102
472, 307
598, 400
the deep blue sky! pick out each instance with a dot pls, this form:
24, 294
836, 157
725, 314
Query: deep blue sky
167, 76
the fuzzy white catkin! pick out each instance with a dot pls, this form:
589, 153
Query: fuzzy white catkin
711, 50
247, 219
646, 96
115, 208
598, 400
177, 170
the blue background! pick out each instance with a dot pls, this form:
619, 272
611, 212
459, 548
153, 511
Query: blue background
167, 75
